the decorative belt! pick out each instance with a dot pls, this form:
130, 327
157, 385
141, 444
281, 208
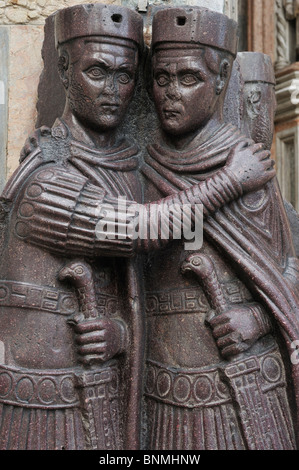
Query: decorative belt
194, 388
192, 300
49, 299
54, 389
188, 388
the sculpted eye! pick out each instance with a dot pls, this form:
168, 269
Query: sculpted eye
189, 79
96, 73
124, 78
162, 80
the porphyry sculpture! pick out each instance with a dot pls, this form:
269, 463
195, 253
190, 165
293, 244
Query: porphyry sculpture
71, 300
215, 374
56, 393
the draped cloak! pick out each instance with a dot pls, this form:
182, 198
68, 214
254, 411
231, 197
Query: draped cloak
252, 232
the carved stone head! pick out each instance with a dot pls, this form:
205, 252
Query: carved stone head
250, 103
98, 48
192, 53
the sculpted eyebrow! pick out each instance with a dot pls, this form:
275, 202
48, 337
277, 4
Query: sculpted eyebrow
97, 62
126, 66
195, 70
161, 70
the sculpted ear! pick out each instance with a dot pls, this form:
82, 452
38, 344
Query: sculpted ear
223, 76
63, 67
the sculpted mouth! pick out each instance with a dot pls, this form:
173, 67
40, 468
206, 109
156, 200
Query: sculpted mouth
171, 113
109, 107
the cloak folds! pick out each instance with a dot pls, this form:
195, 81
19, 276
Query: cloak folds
252, 232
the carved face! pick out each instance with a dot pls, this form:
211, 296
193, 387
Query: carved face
259, 106
101, 82
184, 90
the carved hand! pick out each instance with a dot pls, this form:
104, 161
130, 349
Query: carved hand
237, 329
100, 339
252, 166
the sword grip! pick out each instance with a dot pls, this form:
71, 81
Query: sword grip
80, 274
205, 271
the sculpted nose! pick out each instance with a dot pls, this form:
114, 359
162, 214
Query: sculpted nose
110, 86
173, 92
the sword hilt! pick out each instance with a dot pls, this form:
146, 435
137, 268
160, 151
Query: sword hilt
80, 274
205, 270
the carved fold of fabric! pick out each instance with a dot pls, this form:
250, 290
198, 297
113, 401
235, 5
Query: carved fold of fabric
122, 158
67, 204
48, 410
48, 201
292, 272
261, 318
111, 171
39, 410
85, 235
24, 429
198, 408
201, 158
178, 428
150, 218
212, 194
190, 410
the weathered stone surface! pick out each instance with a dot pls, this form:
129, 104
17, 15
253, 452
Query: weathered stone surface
51, 93
25, 67
35, 12
16, 15
4, 48
261, 27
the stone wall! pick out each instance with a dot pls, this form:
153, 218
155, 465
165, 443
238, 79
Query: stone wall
34, 12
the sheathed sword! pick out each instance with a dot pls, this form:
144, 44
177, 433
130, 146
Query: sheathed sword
98, 384
242, 373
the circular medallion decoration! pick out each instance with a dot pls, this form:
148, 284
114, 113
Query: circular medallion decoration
22, 229
203, 389
47, 391
45, 175
67, 391
150, 379
3, 292
163, 383
34, 190
181, 389
25, 389
6, 382
26, 210
271, 369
